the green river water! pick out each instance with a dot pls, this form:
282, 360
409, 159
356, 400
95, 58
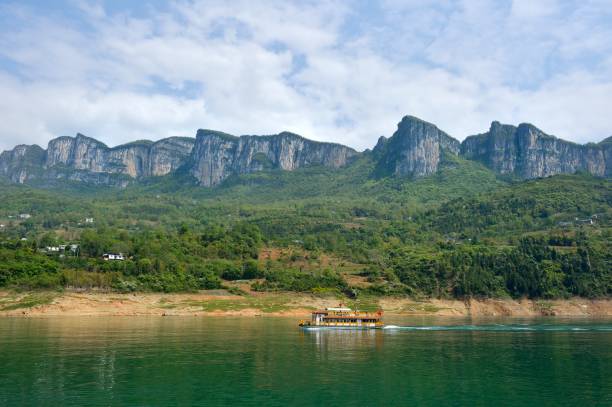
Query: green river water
191, 361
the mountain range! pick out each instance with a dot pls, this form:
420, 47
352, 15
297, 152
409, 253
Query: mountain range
415, 150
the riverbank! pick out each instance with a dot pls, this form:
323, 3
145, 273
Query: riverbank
220, 303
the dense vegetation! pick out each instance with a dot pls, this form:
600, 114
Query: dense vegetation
460, 233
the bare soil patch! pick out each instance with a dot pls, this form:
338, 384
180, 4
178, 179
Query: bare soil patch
219, 302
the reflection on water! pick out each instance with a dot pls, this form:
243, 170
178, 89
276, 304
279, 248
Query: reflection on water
269, 361
344, 341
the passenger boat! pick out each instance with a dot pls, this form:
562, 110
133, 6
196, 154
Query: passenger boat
343, 318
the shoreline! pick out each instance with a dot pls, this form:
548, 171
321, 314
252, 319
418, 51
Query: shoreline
219, 303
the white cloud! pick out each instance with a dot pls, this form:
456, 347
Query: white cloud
324, 70
528, 9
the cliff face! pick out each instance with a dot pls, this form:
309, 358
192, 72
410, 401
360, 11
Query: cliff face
415, 149
136, 160
78, 153
84, 159
606, 146
167, 155
528, 152
22, 163
217, 155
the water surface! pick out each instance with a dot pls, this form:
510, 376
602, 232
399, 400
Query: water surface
269, 362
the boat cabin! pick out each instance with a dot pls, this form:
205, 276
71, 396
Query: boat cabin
344, 318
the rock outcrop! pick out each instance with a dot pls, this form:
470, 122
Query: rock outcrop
85, 159
606, 146
77, 153
218, 155
136, 160
527, 152
22, 163
169, 154
210, 158
415, 149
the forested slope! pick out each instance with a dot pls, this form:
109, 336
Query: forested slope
458, 233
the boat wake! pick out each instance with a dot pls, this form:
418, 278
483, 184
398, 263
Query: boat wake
505, 328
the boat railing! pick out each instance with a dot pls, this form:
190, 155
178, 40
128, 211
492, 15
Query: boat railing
376, 314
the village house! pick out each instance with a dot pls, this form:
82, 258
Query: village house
25, 216
89, 220
113, 257
61, 249
588, 221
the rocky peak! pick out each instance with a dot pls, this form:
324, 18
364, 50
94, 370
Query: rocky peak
380, 145
528, 152
415, 149
218, 155
80, 158
22, 162
496, 148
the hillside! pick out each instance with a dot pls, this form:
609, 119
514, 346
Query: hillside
420, 215
460, 232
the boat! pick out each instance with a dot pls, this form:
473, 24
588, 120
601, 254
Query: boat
343, 318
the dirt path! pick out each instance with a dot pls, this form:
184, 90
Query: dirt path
40, 304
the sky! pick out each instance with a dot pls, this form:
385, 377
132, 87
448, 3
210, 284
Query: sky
338, 71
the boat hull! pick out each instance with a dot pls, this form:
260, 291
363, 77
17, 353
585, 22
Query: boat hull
353, 328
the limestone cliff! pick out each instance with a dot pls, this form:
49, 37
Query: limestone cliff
136, 160
606, 146
167, 155
218, 155
85, 159
22, 163
527, 152
415, 149
77, 153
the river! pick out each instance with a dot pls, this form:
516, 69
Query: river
207, 361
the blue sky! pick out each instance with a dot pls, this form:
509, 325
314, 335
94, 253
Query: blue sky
334, 71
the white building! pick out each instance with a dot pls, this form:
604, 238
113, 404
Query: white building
113, 257
25, 216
